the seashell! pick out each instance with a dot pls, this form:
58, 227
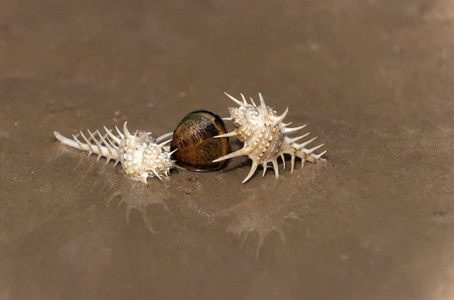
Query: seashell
265, 137
139, 154
195, 142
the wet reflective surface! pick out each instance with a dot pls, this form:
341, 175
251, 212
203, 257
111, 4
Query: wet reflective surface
372, 79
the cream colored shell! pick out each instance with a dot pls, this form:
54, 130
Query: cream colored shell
139, 154
265, 137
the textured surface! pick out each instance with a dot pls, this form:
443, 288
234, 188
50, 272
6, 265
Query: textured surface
374, 79
195, 144
266, 138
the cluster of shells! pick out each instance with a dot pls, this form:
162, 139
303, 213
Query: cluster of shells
200, 143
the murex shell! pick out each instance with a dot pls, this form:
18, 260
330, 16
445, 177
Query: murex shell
265, 137
139, 154
200, 143
194, 143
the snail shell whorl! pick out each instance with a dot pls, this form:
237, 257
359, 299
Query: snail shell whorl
194, 139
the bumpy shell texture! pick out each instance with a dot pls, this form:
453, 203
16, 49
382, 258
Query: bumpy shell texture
194, 142
139, 154
265, 137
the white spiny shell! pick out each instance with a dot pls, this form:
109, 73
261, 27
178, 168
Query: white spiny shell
139, 154
266, 138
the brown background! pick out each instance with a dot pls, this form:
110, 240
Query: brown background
372, 79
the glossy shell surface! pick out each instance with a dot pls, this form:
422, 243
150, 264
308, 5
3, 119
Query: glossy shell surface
194, 139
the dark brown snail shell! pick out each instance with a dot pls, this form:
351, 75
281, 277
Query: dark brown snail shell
194, 139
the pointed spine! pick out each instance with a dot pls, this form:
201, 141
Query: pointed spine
243, 151
95, 146
229, 134
233, 99
281, 117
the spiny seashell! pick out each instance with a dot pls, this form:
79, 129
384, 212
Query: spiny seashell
139, 154
195, 142
265, 137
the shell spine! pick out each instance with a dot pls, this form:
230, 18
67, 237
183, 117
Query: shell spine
265, 137
139, 154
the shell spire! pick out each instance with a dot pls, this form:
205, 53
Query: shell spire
265, 137
139, 154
